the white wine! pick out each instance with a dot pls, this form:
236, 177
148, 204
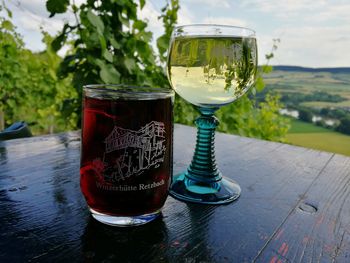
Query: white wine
209, 66
211, 71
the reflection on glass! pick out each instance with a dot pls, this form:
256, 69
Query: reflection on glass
209, 66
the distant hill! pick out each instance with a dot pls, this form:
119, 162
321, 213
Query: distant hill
303, 69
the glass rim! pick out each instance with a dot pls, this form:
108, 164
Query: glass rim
126, 91
252, 31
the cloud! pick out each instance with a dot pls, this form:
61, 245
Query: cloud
333, 13
210, 3
33, 22
38, 7
315, 46
150, 14
185, 16
32, 14
280, 7
313, 33
225, 21
303, 10
33, 6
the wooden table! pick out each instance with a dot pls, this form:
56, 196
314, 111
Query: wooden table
295, 207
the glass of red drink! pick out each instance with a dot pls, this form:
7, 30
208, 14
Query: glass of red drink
126, 153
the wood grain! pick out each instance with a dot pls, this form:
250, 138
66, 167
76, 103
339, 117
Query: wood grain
320, 233
266, 172
44, 217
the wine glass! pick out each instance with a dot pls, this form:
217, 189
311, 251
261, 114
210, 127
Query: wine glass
209, 66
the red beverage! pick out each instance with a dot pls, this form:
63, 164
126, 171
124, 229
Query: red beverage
126, 155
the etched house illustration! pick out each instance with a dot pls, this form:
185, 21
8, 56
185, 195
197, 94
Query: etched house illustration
136, 151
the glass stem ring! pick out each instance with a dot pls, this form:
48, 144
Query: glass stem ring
203, 167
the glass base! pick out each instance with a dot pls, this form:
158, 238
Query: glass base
221, 192
124, 221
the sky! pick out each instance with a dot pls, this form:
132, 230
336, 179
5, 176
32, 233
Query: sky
312, 33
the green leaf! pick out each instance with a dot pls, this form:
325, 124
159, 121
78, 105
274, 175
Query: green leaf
67, 65
52, 74
139, 25
162, 43
259, 84
146, 36
130, 64
11, 103
100, 63
267, 69
58, 42
269, 56
8, 11
108, 55
124, 20
93, 39
7, 25
96, 21
75, 8
108, 73
56, 6
120, 2
114, 43
142, 3
103, 44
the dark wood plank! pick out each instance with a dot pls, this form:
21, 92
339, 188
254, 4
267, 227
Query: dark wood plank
318, 229
41, 209
44, 217
273, 178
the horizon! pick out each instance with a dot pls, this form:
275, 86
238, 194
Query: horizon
297, 66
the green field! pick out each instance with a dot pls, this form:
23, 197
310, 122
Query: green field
311, 136
310, 82
324, 104
306, 82
304, 127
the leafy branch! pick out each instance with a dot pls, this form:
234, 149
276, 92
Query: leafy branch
110, 44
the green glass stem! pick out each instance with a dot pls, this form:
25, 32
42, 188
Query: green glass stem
203, 167
202, 182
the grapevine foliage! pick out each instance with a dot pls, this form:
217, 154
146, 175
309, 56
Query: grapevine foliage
108, 43
29, 87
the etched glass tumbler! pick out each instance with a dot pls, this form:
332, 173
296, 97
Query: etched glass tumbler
126, 152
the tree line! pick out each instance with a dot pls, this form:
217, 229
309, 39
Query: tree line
343, 117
